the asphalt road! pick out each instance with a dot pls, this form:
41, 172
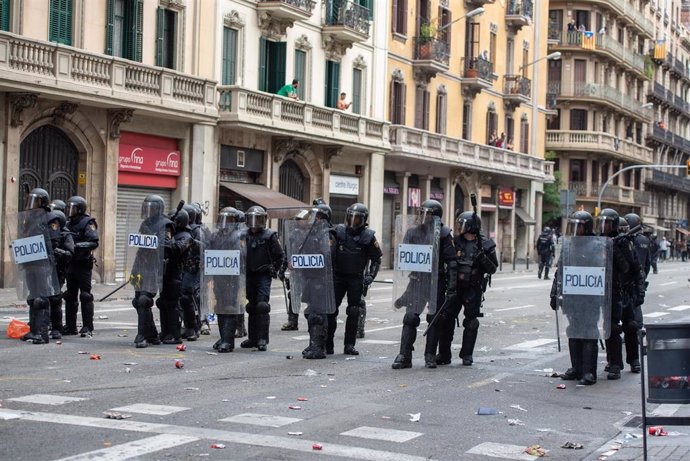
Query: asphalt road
275, 405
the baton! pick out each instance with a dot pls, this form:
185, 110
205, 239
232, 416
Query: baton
384, 281
558, 331
428, 327
287, 305
113, 292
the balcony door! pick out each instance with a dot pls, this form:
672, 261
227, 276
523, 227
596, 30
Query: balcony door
272, 61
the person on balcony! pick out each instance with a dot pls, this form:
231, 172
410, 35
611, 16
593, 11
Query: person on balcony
509, 144
571, 26
341, 104
501, 142
289, 90
493, 138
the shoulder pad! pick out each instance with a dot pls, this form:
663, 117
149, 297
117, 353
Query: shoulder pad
340, 231
368, 234
269, 233
445, 231
488, 244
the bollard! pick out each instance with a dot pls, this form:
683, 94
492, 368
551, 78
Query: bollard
500, 261
514, 259
527, 260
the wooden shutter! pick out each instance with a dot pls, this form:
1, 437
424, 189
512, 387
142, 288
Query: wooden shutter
229, 65
391, 102
394, 17
356, 91
441, 113
300, 71
403, 103
60, 26
136, 41
5, 15
109, 21
263, 77
419, 108
427, 105
160, 35
279, 66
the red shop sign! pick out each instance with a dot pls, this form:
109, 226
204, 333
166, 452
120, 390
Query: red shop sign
143, 153
505, 196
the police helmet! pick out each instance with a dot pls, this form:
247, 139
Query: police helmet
580, 223
60, 216
623, 225
199, 213
58, 205
546, 230
76, 206
153, 206
428, 210
37, 198
357, 215
468, 222
228, 216
256, 217
607, 222
191, 211
181, 219
633, 219
322, 211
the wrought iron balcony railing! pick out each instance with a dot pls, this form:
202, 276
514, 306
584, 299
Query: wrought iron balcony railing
517, 84
431, 49
520, 8
478, 68
349, 14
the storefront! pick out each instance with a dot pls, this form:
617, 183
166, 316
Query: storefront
343, 192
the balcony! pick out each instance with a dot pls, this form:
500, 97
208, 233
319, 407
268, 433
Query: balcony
519, 14
516, 90
291, 10
678, 68
64, 72
603, 93
658, 135
477, 75
669, 181
414, 143
269, 113
347, 21
587, 141
610, 47
589, 191
431, 56
478, 3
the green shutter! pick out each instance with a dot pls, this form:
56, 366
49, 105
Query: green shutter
369, 5
336, 83
279, 66
300, 71
263, 77
356, 91
160, 32
332, 83
5, 15
109, 21
135, 40
229, 66
60, 26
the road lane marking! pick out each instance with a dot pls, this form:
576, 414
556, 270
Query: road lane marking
46, 399
679, 308
241, 438
653, 315
148, 409
378, 433
531, 344
666, 284
514, 308
134, 449
256, 419
666, 409
492, 380
380, 341
500, 450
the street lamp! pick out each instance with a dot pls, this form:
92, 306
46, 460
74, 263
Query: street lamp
471, 14
551, 57
646, 105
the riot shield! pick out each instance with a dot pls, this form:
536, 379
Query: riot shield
32, 254
584, 281
308, 247
415, 276
145, 251
223, 265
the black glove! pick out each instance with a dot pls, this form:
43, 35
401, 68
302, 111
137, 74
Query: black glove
368, 279
62, 254
281, 275
554, 304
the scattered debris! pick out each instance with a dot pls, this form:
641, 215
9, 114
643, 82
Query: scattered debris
414, 417
560, 386
115, 415
191, 388
128, 370
271, 397
179, 364
487, 411
515, 422
302, 399
535, 450
122, 335
555, 375
572, 445
211, 353
59, 343
657, 430
181, 347
95, 357
295, 433
351, 358
518, 407
218, 445
294, 407
317, 446
310, 372
130, 363
385, 417
83, 352
289, 357
102, 317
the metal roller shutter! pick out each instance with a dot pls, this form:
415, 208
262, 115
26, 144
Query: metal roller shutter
131, 197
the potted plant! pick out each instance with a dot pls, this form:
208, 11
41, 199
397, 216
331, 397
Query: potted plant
471, 68
427, 33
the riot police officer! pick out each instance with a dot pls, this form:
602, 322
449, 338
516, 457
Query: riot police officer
475, 262
191, 273
58, 205
632, 318
265, 258
200, 232
147, 269
628, 286
85, 231
545, 250
358, 259
428, 213
583, 351
62, 241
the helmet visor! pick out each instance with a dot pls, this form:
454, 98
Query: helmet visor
464, 226
355, 219
32, 201
256, 221
425, 215
150, 209
225, 220
606, 225
72, 209
576, 227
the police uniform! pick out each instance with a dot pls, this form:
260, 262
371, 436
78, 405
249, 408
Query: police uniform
545, 249
62, 242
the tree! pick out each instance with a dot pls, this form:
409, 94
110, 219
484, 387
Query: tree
551, 204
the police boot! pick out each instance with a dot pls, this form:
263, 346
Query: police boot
32, 321
575, 371
227, 333
317, 337
539, 273
590, 356
252, 329
42, 321
292, 322
546, 273
351, 330
142, 321
431, 343
332, 326
632, 348
445, 329
362, 319
615, 347
469, 338
264, 325
87, 312
71, 308
407, 339
174, 327
55, 317
152, 335
240, 329
189, 332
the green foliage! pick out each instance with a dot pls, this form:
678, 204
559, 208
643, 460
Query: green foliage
648, 67
552, 198
427, 31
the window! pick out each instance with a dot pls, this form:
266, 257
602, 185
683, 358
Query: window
555, 24
165, 38
332, 83
578, 119
525, 61
421, 113
369, 5
510, 128
524, 136
466, 120
472, 40
5, 15
229, 70
441, 112
554, 123
577, 170
445, 19
356, 91
595, 172
399, 19
272, 57
124, 28
60, 26
492, 51
582, 19
510, 55
397, 109
301, 71
491, 125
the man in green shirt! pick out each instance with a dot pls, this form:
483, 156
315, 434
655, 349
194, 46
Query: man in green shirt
289, 90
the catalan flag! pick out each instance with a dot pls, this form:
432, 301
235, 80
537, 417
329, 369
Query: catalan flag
588, 40
660, 49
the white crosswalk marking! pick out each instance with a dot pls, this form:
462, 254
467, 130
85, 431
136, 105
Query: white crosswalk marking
679, 308
380, 341
257, 419
148, 409
531, 344
379, 433
133, 449
653, 315
46, 399
501, 450
514, 308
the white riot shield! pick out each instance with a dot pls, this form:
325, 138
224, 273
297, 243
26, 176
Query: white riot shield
32, 254
308, 247
223, 265
415, 277
145, 251
584, 285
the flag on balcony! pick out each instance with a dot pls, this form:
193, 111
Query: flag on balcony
588, 40
660, 49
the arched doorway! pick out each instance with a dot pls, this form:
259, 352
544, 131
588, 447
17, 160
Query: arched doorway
48, 159
291, 180
459, 200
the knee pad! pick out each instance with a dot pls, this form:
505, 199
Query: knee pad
631, 326
40, 303
185, 301
352, 310
471, 323
411, 320
85, 297
143, 302
363, 305
55, 301
430, 318
160, 304
616, 329
70, 296
250, 308
315, 319
262, 308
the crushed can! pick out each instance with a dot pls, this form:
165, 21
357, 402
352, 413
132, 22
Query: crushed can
181, 347
211, 318
317, 446
179, 364
218, 445
655, 430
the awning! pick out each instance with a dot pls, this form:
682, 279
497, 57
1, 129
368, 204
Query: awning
279, 206
683, 231
525, 217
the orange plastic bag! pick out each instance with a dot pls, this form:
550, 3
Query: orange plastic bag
17, 329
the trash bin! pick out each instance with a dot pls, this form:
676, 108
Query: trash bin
668, 363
